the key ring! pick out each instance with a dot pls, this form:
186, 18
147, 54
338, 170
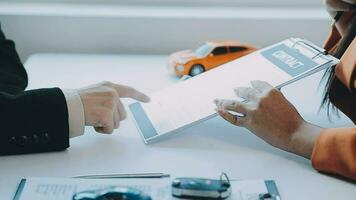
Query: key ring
224, 178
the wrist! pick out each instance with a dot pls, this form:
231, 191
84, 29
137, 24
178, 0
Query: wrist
75, 108
303, 140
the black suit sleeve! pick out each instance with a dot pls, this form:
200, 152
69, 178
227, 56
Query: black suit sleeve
13, 77
31, 121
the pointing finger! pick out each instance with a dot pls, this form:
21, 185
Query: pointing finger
126, 91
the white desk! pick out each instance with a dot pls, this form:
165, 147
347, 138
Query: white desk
203, 150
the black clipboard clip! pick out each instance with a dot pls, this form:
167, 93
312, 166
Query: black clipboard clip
319, 51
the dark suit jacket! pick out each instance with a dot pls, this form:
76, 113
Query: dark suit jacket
30, 121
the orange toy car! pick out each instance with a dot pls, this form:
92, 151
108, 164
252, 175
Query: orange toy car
208, 56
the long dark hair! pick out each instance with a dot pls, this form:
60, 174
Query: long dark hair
330, 72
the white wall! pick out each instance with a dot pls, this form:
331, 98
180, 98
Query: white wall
131, 29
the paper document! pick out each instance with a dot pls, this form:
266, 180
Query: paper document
158, 189
65, 188
190, 102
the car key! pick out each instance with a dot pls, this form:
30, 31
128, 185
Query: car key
200, 188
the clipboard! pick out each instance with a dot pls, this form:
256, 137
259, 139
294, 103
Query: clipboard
188, 103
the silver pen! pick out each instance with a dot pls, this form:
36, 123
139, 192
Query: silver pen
136, 175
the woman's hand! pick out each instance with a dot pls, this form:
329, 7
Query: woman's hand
103, 108
269, 115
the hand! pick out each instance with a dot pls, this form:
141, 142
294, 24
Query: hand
102, 106
269, 115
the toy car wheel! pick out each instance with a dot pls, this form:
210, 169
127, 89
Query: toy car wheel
196, 70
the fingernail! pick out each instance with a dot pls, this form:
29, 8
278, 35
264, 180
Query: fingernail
146, 99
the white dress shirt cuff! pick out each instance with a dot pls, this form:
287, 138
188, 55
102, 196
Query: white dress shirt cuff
76, 118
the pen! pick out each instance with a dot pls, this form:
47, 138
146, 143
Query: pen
138, 175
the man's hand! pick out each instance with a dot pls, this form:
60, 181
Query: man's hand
269, 115
102, 106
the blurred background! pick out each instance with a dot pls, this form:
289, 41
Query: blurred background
155, 26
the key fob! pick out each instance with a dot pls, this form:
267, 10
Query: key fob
200, 188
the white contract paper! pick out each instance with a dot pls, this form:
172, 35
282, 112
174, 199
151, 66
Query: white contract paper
191, 101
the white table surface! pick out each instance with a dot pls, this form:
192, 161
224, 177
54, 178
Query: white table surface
204, 150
